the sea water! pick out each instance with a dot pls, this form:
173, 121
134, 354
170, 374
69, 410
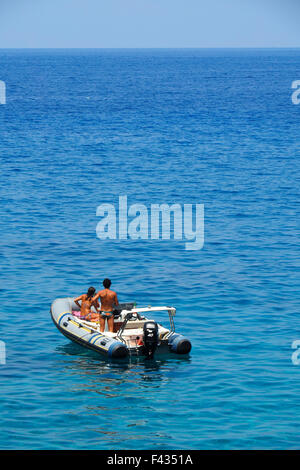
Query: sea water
215, 127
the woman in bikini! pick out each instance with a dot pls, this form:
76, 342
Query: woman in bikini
87, 302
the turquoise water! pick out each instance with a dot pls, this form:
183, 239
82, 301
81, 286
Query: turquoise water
211, 127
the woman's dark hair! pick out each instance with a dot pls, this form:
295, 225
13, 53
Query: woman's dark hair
90, 293
107, 283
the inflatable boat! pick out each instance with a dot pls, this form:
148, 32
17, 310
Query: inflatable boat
134, 334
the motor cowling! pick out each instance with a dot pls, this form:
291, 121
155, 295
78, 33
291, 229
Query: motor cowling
150, 330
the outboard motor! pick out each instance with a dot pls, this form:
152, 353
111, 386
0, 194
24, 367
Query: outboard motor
150, 338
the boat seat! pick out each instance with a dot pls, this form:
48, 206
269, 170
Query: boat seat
135, 324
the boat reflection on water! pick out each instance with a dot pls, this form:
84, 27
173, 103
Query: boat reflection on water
106, 374
120, 404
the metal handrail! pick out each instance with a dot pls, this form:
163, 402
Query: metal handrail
128, 315
151, 309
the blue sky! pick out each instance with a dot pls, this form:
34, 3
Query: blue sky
149, 23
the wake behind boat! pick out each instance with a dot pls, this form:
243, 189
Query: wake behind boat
134, 334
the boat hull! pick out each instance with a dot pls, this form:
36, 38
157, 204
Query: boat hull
89, 337
69, 326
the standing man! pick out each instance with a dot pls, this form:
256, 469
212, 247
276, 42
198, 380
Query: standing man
108, 300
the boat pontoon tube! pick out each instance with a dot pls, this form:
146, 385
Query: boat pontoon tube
61, 312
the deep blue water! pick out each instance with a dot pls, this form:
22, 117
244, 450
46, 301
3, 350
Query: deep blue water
211, 127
